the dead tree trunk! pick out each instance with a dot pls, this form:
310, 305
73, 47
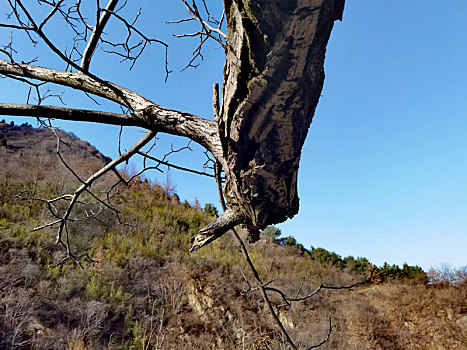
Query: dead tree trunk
273, 78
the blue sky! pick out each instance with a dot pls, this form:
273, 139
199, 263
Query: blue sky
384, 169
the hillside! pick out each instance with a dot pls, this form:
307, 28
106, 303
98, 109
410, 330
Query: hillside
145, 291
24, 148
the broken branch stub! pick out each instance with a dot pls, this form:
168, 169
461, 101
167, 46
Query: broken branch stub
228, 220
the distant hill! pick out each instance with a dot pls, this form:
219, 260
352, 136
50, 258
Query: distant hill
30, 154
25, 147
145, 291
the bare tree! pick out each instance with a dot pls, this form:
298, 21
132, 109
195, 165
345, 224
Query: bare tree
273, 77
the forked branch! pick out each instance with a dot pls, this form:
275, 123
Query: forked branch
288, 301
74, 198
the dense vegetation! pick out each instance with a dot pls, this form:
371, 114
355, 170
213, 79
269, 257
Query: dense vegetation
144, 291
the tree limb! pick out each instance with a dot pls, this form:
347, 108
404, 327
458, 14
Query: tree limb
78, 81
96, 34
170, 165
325, 340
151, 115
288, 301
70, 114
86, 184
228, 220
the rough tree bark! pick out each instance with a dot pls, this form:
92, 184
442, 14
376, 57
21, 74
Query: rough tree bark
273, 78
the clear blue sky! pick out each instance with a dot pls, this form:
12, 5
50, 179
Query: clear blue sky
384, 169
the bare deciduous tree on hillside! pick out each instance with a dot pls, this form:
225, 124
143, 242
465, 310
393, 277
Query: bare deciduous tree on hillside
273, 77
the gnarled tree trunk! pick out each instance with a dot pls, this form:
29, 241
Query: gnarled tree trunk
273, 78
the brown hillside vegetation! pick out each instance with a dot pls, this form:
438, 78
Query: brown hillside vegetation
145, 291
24, 148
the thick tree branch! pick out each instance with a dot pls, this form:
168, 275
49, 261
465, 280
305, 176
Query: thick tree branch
151, 115
78, 81
229, 219
273, 78
173, 122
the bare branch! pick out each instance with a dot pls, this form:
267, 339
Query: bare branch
75, 258
218, 165
170, 165
22, 24
47, 225
197, 52
228, 220
217, 173
207, 28
57, 6
74, 199
215, 30
70, 114
96, 34
15, 26
322, 286
124, 157
215, 101
152, 116
263, 287
263, 290
78, 81
38, 30
207, 31
325, 340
